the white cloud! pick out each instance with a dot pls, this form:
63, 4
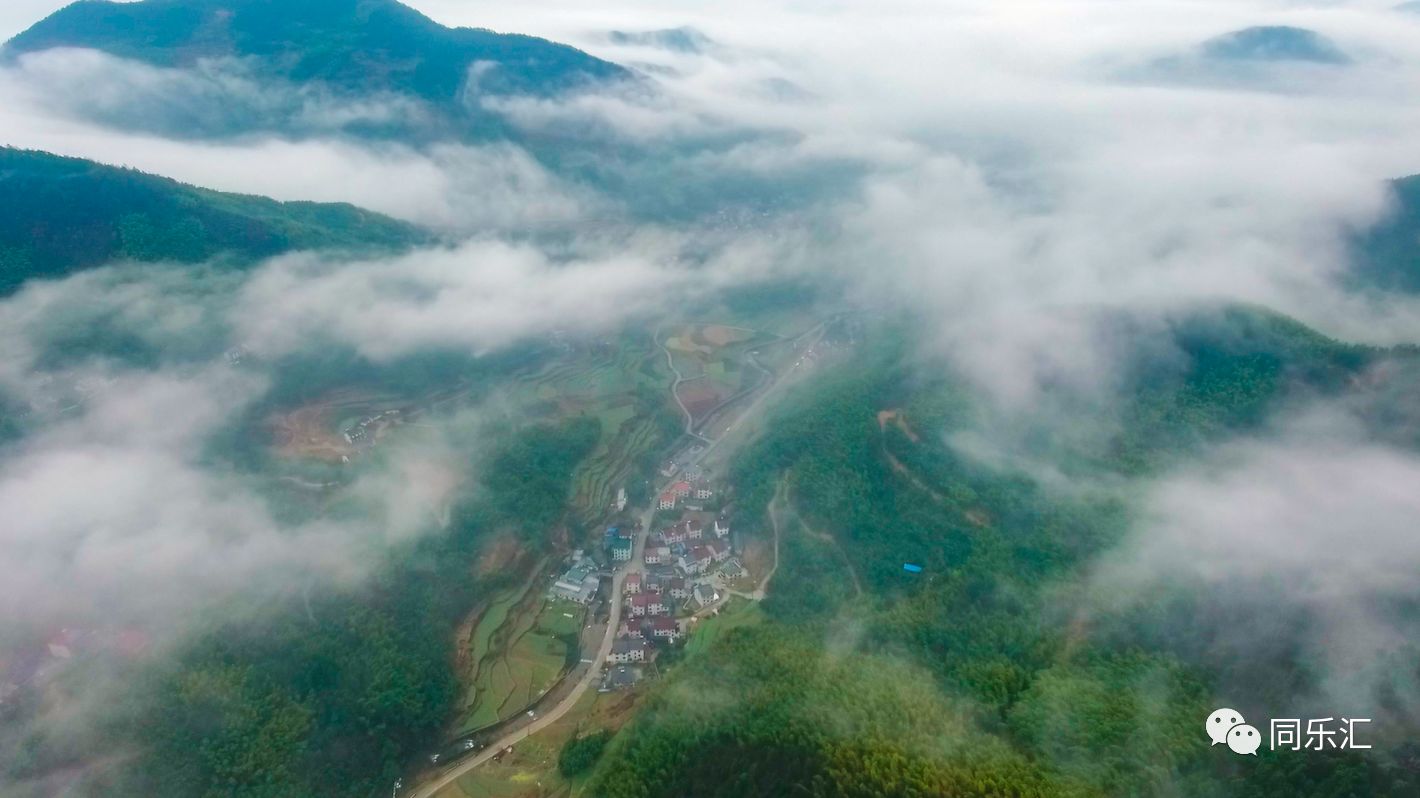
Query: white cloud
86, 104
1313, 519
1017, 193
483, 294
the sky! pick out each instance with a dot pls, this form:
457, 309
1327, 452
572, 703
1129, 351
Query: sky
1025, 171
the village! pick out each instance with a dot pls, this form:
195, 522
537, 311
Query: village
658, 565
686, 569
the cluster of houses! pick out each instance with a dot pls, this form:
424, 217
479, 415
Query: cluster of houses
635, 636
689, 547
676, 580
681, 491
580, 582
363, 430
678, 560
674, 557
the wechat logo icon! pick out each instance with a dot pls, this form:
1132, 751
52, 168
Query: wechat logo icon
1227, 726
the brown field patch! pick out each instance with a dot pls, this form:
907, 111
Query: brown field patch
684, 341
898, 419
758, 558
720, 335
978, 517
501, 553
700, 397
306, 432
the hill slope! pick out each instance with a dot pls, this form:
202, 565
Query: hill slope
355, 46
1274, 43
1387, 256
63, 215
979, 676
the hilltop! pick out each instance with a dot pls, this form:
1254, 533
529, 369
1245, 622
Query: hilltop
68, 214
360, 46
1274, 43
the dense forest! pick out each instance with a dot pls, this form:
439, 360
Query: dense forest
975, 676
409, 73
360, 46
66, 214
1385, 255
334, 693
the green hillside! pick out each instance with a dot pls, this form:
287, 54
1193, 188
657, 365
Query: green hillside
1387, 256
358, 46
63, 215
978, 676
376, 70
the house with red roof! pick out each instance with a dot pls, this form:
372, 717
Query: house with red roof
648, 604
662, 628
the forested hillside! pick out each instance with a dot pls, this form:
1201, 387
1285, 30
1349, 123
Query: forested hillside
974, 677
372, 50
66, 214
1387, 256
333, 693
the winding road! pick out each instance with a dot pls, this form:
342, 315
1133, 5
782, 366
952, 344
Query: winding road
759, 593
451, 773
675, 389
432, 785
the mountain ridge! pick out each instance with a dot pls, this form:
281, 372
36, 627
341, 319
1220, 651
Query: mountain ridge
108, 213
359, 46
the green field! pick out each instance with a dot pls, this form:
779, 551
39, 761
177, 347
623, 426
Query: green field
624, 384
737, 612
532, 769
522, 642
497, 612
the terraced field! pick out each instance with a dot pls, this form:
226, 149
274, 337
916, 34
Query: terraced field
619, 382
611, 465
524, 643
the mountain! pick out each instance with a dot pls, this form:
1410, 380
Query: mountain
1273, 43
1258, 58
376, 70
355, 49
962, 678
358, 45
1387, 255
64, 215
680, 40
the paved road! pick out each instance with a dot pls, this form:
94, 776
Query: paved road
451, 773
776, 385
675, 389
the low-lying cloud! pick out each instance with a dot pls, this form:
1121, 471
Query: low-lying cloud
479, 295
115, 516
239, 133
1311, 529
1011, 184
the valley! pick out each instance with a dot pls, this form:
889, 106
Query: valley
647, 399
